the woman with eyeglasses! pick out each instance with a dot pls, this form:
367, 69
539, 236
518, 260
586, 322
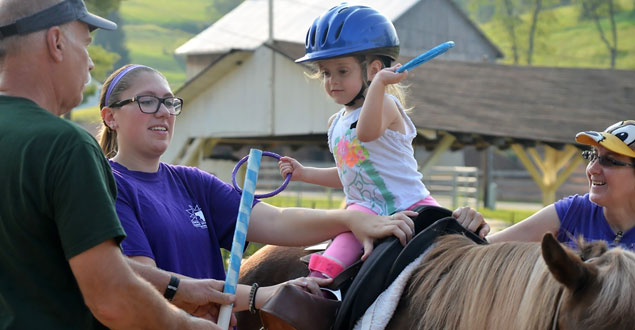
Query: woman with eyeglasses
606, 212
177, 218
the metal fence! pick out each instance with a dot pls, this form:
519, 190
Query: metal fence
452, 186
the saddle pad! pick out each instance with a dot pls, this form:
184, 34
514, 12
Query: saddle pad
372, 277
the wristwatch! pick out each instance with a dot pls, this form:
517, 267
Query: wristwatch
170, 291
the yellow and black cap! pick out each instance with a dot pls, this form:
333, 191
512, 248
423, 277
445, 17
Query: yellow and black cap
618, 138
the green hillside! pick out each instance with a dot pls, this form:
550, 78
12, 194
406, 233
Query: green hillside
155, 28
567, 42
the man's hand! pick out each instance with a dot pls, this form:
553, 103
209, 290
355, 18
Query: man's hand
202, 298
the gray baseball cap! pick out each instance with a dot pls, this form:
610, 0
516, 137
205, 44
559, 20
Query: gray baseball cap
61, 13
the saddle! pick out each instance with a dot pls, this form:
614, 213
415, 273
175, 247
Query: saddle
389, 258
362, 282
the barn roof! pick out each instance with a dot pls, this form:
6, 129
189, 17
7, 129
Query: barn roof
246, 27
503, 102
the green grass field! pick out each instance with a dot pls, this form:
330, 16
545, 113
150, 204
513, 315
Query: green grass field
508, 215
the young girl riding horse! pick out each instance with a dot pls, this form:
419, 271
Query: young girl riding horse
371, 136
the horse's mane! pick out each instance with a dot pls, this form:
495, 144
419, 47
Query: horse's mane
462, 285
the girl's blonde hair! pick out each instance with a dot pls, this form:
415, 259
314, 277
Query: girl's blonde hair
107, 137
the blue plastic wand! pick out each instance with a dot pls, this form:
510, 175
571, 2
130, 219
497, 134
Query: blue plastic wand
425, 57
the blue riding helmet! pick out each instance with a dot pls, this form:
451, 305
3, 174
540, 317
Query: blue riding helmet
350, 30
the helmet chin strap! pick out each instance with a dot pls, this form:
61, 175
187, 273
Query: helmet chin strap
365, 84
359, 95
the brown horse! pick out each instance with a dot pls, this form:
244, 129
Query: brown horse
461, 285
513, 285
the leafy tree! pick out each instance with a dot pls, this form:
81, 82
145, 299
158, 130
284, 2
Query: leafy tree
114, 41
105, 56
102, 7
511, 20
532, 29
508, 14
102, 59
597, 10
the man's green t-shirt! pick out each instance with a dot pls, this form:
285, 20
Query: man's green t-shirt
57, 201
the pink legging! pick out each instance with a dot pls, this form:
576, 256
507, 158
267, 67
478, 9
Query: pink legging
345, 248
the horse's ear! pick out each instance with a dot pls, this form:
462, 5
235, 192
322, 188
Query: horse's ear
564, 265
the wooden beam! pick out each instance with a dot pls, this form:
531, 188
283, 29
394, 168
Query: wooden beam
443, 145
573, 161
192, 155
531, 168
208, 145
428, 134
549, 175
538, 161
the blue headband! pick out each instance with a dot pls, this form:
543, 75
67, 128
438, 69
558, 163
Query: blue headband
115, 81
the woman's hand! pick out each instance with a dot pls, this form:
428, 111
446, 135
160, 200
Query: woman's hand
471, 220
367, 227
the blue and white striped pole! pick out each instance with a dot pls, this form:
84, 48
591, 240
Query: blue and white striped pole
240, 234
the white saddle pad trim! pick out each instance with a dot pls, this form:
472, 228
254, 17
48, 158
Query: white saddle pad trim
380, 312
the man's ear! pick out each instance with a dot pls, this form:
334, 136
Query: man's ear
55, 42
374, 67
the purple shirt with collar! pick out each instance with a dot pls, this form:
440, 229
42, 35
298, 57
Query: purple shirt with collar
179, 216
579, 216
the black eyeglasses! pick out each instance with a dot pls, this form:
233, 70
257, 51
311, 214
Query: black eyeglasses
151, 104
592, 155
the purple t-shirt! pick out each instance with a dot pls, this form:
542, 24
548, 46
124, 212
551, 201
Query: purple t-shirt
179, 216
579, 216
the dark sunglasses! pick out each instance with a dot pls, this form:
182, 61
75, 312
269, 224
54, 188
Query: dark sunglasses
592, 155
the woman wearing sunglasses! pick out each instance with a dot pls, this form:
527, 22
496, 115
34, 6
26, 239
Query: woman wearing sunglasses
177, 218
606, 212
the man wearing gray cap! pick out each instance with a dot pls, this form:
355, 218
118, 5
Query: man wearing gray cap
60, 263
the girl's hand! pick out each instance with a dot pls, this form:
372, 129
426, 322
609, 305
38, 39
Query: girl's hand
471, 220
290, 165
388, 76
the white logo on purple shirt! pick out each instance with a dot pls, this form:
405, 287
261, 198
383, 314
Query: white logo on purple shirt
196, 217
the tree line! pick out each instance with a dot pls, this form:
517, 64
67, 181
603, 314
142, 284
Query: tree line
521, 21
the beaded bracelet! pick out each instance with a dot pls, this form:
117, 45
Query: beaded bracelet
252, 298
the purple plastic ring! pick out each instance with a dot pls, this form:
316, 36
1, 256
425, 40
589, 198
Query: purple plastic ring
273, 193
